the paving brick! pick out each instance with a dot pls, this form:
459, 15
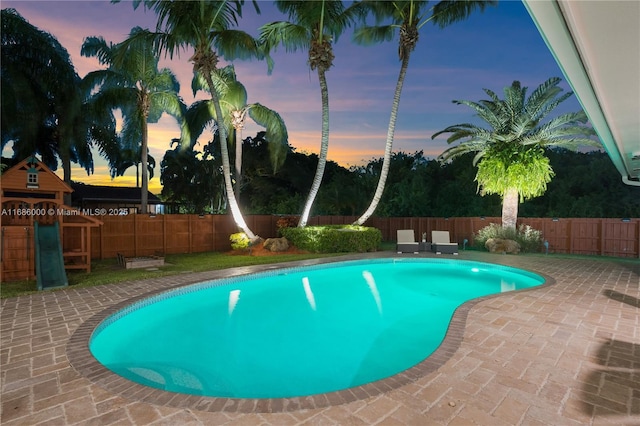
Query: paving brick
53, 416
378, 408
142, 414
471, 415
15, 408
45, 390
408, 416
113, 417
342, 415
80, 410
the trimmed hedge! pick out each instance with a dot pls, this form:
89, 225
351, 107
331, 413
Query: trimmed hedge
334, 238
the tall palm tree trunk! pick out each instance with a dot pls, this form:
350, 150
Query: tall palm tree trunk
324, 147
144, 191
386, 162
510, 208
226, 166
66, 173
238, 162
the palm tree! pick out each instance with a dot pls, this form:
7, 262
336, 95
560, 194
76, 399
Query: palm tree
407, 17
511, 156
205, 26
233, 101
313, 25
44, 110
133, 84
127, 157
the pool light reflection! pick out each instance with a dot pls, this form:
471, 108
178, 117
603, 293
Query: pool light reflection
234, 296
371, 282
307, 291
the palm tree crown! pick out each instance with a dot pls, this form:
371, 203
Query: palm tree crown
235, 107
133, 84
510, 152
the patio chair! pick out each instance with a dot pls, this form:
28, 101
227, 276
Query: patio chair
441, 243
407, 241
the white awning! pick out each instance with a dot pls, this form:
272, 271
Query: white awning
597, 46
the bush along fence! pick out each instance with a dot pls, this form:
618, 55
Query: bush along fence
145, 235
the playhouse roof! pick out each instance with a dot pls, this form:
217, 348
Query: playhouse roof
15, 179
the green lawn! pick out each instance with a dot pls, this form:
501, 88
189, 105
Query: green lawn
109, 272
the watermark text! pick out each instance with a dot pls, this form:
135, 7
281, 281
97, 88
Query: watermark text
65, 212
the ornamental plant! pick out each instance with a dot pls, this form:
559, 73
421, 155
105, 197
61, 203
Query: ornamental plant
239, 241
530, 239
510, 150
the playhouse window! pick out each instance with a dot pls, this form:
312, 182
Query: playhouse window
32, 180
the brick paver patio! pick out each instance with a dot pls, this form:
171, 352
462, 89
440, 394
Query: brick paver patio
564, 354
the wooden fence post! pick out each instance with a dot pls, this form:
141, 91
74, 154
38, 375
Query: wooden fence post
101, 233
164, 234
135, 235
638, 237
213, 234
602, 234
190, 233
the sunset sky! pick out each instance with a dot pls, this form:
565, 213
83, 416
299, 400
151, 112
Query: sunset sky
489, 50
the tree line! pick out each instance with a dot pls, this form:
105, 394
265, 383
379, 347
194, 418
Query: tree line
586, 184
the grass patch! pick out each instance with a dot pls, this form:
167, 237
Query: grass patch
109, 272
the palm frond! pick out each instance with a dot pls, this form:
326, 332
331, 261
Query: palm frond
115, 98
548, 107
221, 78
447, 12
282, 33
514, 96
566, 121
97, 47
165, 102
276, 133
199, 115
458, 150
367, 36
465, 130
488, 111
236, 44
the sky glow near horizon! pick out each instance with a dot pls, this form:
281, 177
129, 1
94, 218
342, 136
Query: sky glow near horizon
489, 50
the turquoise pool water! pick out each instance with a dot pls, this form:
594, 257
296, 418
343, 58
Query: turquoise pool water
295, 332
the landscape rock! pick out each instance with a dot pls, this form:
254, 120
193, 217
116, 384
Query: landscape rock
276, 244
499, 245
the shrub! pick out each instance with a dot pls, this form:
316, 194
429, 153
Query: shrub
287, 222
334, 238
239, 241
529, 239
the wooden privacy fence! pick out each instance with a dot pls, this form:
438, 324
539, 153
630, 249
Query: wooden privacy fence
145, 235
604, 237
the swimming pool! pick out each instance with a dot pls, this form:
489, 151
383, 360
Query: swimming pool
298, 331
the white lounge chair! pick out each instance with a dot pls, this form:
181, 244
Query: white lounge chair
407, 241
441, 243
